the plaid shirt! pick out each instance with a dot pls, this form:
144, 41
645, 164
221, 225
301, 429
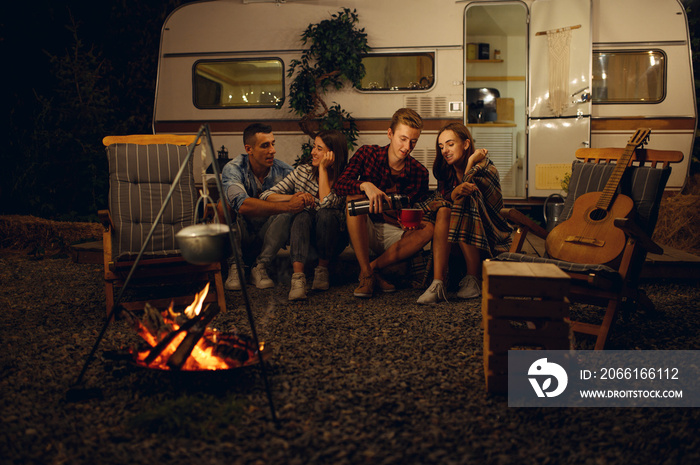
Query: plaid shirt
371, 163
302, 180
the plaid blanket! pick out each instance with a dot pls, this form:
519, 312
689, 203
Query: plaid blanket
476, 219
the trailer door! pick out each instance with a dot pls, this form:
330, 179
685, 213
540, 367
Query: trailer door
559, 113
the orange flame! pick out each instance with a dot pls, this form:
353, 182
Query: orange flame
203, 356
195, 307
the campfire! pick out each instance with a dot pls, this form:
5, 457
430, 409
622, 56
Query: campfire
184, 341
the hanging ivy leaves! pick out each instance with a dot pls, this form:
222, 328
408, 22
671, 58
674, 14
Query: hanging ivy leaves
333, 57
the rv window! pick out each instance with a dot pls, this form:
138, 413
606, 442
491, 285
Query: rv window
629, 77
398, 71
238, 83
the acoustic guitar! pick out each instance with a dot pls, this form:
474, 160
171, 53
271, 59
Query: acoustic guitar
589, 235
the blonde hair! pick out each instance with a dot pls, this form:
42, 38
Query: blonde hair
408, 117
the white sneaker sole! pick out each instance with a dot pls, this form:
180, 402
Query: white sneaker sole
265, 285
232, 287
469, 296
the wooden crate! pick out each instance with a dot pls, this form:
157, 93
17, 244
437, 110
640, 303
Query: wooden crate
523, 305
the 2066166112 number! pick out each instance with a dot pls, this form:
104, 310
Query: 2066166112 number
639, 373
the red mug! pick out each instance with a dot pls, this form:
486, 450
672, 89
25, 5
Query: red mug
410, 217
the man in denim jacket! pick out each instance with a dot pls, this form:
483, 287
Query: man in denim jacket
244, 179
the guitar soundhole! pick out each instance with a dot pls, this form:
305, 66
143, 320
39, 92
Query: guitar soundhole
598, 214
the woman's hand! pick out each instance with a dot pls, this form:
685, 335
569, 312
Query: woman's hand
327, 160
476, 157
463, 190
300, 200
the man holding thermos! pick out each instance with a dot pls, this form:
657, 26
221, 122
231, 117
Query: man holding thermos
378, 173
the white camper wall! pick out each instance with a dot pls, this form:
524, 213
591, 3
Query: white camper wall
649, 25
226, 29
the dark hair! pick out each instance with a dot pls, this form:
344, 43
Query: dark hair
441, 170
338, 144
408, 117
253, 129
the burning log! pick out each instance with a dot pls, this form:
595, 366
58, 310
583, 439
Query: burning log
183, 341
168, 338
183, 351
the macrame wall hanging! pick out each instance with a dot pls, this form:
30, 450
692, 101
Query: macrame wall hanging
559, 42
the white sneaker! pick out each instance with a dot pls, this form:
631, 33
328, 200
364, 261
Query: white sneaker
259, 277
298, 290
434, 293
233, 282
469, 288
320, 279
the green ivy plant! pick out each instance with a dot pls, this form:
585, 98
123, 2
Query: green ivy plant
333, 58
565, 183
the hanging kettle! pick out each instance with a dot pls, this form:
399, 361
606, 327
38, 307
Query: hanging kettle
202, 244
552, 210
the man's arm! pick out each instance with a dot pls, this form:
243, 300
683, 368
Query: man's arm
348, 182
256, 207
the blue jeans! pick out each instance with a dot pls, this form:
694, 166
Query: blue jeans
329, 235
271, 231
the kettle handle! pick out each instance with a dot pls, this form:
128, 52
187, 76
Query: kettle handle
544, 206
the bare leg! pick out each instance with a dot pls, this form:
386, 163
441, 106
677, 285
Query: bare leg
473, 258
298, 267
357, 230
409, 244
324, 263
441, 248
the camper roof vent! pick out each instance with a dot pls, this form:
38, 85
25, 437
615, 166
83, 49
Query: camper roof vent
427, 107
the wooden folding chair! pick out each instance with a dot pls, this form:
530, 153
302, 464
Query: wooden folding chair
611, 285
141, 171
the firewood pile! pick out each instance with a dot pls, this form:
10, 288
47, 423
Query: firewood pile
44, 237
180, 342
679, 219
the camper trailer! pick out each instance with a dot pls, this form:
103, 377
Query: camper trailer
534, 80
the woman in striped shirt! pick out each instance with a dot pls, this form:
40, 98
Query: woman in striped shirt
324, 217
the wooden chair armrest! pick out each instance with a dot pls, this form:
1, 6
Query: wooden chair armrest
518, 218
105, 219
107, 228
150, 139
633, 230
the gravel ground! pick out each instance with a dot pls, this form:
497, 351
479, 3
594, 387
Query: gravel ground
380, 381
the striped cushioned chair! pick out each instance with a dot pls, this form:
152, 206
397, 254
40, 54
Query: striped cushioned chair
611, 285
142, 169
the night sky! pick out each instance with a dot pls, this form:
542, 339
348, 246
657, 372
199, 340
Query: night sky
33, 29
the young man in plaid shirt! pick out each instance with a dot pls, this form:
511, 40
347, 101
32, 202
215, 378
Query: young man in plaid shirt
376, 172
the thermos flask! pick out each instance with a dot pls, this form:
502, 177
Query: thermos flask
361, 207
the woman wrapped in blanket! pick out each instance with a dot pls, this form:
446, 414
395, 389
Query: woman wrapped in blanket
465, 210
322, 222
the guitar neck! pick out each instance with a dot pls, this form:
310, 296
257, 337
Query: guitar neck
608, 194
